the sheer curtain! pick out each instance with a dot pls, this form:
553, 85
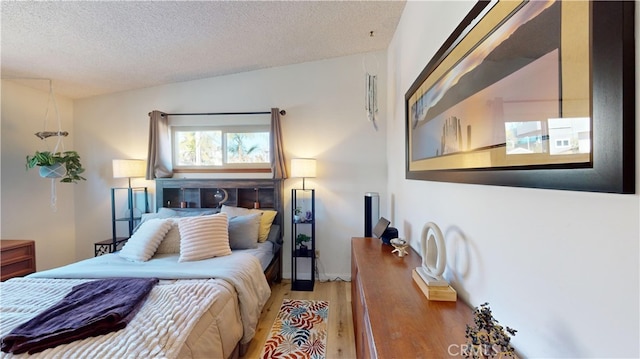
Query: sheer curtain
159, 156
278, 167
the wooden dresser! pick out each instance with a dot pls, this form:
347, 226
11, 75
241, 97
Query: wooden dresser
391, 316
18, 258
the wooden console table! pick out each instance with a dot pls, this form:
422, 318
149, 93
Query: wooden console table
17, 258
391, 316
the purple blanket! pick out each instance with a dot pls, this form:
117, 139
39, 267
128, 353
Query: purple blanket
90, 309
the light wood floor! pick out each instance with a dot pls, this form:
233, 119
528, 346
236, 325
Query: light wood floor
340, 342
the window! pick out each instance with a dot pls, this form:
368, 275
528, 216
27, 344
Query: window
220, 147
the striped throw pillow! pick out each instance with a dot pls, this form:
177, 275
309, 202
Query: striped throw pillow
204, 237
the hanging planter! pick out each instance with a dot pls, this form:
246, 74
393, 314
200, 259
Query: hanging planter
55, 171
65, 165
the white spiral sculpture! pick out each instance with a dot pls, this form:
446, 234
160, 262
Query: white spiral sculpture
434, 256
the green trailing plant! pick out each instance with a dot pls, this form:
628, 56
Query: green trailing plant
486, 338
69, 159
297, 210
302, 239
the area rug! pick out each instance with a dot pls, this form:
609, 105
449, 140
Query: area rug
299, 331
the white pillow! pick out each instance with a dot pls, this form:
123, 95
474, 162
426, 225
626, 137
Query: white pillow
143, 244
266, 218
171, 242
204, 237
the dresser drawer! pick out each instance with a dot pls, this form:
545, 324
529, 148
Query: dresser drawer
17, 258
17, 269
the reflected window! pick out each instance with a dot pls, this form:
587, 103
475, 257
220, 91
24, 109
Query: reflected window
569, 135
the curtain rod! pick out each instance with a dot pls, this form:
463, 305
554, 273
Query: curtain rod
282, 112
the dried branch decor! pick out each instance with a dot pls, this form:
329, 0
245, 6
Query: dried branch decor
486, 338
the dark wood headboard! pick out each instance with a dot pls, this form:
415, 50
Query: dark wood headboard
199, 194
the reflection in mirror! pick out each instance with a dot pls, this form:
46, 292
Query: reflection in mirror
558, 136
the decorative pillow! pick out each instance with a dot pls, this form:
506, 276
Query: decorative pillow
171, 242
243, 231
265, 220
143, 244
265, 224
204, 237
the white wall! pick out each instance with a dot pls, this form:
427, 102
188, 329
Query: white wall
325, 119
563, 269
25, 197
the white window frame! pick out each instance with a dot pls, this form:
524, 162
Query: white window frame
224, 130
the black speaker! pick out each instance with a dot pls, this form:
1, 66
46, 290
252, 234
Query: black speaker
371, 212
389, 234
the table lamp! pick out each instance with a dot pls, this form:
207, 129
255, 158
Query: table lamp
303, 167
129, 169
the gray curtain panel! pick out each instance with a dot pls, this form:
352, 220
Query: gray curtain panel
278, 163
159, 157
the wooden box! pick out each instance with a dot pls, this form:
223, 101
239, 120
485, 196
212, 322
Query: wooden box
447, 294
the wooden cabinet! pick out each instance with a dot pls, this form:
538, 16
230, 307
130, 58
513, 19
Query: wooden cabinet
391, 316
18, 258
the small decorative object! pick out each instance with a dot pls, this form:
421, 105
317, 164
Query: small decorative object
434, 256
256, 204
296, 215
301, 241
371, 98
400, 246
70, 160
371, 92
309, 216
221, 196
486, 338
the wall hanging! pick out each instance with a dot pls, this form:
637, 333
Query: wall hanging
56, 163
371, 91
498, 105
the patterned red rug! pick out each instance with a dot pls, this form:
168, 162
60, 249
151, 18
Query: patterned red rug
299, 331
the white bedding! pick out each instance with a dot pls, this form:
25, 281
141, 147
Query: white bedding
264, 253
159, 330
241, 273
242, 270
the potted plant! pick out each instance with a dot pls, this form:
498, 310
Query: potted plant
59, 164
486, 338
301, 241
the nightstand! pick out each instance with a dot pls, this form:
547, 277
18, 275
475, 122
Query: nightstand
303, 241
17, 258
106, 246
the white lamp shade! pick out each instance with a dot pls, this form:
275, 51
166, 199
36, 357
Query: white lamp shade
129, 168
303, 167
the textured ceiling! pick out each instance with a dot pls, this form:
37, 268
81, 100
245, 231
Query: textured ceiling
93, 48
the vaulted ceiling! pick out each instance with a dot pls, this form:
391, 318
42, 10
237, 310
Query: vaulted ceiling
91, 48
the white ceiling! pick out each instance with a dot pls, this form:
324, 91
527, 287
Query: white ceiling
98, 47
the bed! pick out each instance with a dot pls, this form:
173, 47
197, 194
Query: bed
200, 307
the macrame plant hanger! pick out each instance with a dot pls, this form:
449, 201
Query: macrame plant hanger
371, 91
58, 171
